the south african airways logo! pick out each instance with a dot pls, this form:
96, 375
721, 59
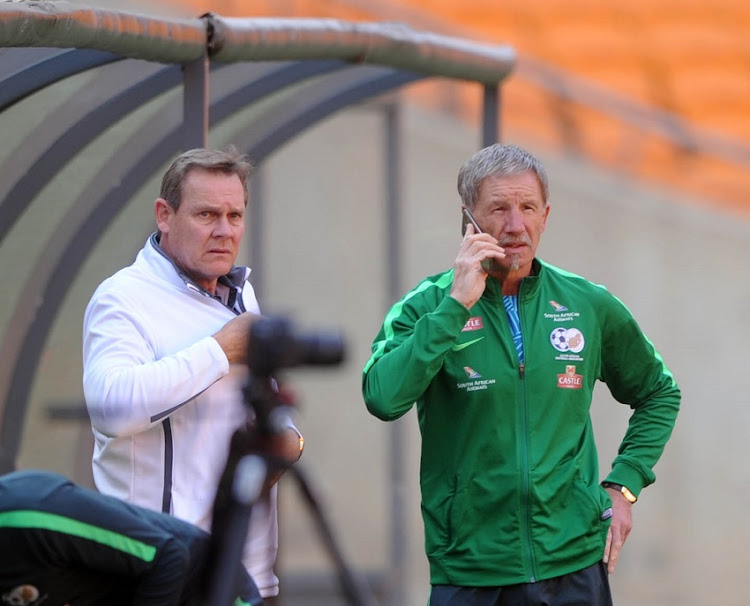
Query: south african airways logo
471, 373
475, 381
557, 307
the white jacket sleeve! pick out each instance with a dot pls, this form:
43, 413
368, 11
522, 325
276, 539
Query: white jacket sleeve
127, 389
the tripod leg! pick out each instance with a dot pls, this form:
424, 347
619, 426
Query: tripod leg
247, 484
357, 592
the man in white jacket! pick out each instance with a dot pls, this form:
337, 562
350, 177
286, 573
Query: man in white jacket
165, 345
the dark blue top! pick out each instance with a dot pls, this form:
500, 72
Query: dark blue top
64, 544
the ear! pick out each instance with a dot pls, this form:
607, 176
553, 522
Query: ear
546, 214
162, 211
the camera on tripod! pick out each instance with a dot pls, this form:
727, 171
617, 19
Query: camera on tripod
273, 345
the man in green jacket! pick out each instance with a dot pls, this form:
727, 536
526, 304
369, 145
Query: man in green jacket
501, 354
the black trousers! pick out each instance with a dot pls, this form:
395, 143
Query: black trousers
587, 587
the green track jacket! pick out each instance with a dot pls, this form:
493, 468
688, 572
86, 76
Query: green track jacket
509, 469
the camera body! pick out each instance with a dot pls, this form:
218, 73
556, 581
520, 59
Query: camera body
274, 345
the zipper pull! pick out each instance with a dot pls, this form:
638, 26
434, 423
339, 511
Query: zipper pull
522, 370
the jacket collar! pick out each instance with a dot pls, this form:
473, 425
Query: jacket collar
228, 288
529, 284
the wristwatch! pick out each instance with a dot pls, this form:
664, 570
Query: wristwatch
623, 490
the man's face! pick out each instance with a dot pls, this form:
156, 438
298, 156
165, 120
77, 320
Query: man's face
203, 235
512, 210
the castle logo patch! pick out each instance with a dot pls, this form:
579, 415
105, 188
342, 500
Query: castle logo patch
474, 323
569, 379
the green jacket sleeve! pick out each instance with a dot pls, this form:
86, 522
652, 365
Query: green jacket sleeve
408, 352
637, 375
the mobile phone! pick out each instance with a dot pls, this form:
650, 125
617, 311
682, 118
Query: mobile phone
487, 264
469, 218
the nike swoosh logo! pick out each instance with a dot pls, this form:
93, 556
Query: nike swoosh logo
467, 344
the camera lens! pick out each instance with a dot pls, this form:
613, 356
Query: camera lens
274, 345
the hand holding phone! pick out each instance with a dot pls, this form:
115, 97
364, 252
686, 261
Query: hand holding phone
487, 264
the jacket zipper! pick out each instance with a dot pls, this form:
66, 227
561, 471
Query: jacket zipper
525, 466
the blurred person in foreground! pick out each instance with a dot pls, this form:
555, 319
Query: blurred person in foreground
62, 544
165, 344
501, 354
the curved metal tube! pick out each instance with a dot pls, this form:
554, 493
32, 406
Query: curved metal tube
388, 44
64, 25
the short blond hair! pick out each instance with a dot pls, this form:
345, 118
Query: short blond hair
229, 161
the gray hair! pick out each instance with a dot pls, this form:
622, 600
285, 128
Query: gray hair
498, 161
228, 161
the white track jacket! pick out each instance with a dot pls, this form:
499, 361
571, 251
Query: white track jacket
163, 399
